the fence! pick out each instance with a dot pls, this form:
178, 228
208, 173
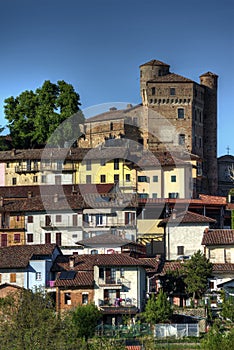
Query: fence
176, 330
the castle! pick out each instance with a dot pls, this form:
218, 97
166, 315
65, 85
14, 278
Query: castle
176, 113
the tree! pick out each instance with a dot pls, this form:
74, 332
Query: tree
157, 310
34, 116
85, 318
28, 321
196, 271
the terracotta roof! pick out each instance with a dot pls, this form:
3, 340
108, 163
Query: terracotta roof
35, 190
153, 264
44, 153
81, 279
170, 266
104, 239
154, 63
218, 237
187, 217
111, 115
86, 262
171, 77
219, 268
19, 256
158, 159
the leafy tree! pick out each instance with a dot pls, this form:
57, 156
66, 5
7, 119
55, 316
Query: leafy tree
31, 323
85, 318
173, 283
197, 270
34, 116
215, 339
227, 307
157, 309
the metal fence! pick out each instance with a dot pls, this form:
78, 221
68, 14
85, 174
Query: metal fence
176, 330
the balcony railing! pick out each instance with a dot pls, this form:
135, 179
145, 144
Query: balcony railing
26, 169
115, 281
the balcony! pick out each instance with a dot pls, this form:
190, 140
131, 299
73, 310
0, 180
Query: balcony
115, 283
53, 167
26, 169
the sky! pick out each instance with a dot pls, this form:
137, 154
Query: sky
98, 46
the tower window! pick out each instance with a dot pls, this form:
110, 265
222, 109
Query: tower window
180, 113
103, 178
111, 126
181, 139
153, 91
172, 91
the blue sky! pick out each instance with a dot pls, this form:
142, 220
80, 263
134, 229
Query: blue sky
98, 45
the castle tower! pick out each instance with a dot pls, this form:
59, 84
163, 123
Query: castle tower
149, 71
210, 168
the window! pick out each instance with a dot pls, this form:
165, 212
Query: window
14, 181
47, 237
99, 220
8, 165
181, 139
180, 250
116, 179
43, 179
153, 91
172, 91
88, 179
59, 238
129, 218
58, 218
67, 298
173, 195
122, 272
88, 164
199, 169
102, 178
30, 219
127, 177
116, 164
200, 142
155, 178
58, 180
29, 237
154, 195
101, 272
4, 240
38, 276
143, 179
143, 195
0, 278
35, 178
111, 126
74, 220
16, 238
173, 178
195, 141
12, 277
180, 113
94, 251
85, 298
47, 220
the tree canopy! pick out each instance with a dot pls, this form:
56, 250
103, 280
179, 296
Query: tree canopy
33, 116
157, 309
197, 270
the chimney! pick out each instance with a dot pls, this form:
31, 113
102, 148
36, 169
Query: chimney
71, 262
173, 214
29, 194
55, 197
13, 152
1, 201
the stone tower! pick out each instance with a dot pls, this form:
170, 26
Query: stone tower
210, 82
191, 110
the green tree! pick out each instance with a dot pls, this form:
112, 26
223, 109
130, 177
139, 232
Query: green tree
34, 116
28, 322
157, 309
227, 311
196, 271
85, 318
